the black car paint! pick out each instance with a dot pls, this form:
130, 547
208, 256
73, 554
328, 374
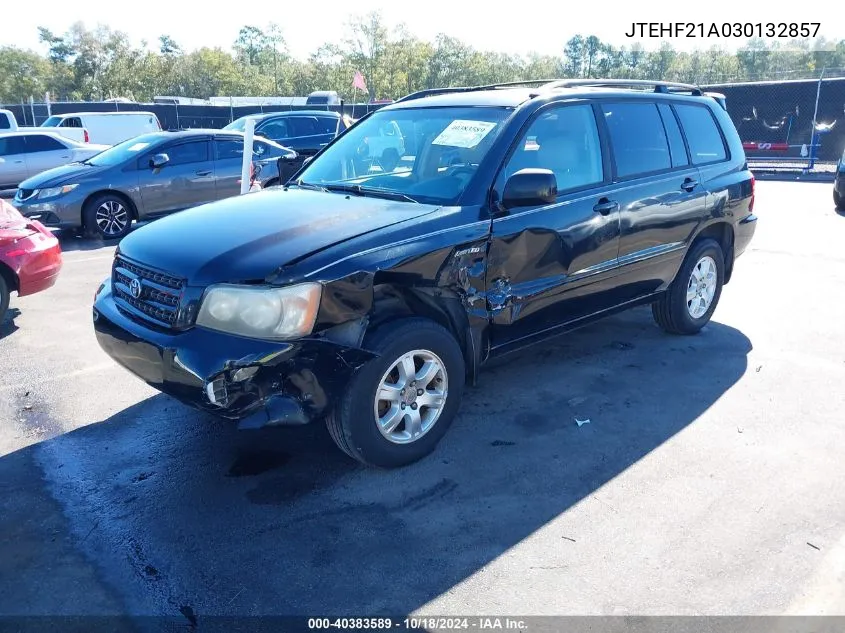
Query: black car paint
497, 279
839, 184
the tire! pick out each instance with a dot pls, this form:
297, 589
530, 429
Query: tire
675, 312
100, 210
4, 298
271, 183
837, 200
353, 424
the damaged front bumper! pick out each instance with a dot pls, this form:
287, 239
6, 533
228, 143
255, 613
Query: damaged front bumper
258, 382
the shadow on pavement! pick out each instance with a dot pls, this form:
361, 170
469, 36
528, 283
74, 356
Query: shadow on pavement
180, 512
7, 324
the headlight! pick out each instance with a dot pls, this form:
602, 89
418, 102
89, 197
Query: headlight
261, 312
52, 192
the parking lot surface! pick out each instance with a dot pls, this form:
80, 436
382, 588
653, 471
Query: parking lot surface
708, 479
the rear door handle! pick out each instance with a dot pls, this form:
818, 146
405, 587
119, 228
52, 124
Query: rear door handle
203, 172
605, 206
689, 184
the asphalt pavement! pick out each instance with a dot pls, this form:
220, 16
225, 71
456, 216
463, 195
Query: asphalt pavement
707, 480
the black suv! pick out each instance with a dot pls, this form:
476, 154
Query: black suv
373, 286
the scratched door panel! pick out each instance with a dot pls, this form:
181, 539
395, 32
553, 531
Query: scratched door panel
549, 266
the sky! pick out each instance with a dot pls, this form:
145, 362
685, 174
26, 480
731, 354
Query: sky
305, 27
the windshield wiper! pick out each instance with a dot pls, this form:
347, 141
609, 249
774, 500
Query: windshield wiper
307, 185
358, 190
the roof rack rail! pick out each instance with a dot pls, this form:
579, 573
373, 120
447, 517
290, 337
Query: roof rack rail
657, 86
430, 92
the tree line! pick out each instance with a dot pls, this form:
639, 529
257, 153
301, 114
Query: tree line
94, 64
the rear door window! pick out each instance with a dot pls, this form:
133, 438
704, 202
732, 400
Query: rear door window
73, 121
229, 149
638, 138
703, 136
226, 149
304, 126
42, 143
187, 153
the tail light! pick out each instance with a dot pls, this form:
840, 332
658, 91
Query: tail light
87, 139
753, 187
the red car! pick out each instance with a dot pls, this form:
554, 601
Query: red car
30, 256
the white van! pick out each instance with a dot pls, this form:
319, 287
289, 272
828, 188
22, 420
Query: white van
107, 128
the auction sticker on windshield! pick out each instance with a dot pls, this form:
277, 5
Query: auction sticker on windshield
462, 133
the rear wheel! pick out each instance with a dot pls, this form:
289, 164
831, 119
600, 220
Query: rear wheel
271, 183
107, 216
4, 298
837, 200
690, 301
397, 407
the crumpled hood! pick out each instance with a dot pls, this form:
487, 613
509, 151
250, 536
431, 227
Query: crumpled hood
249, 237
60, 176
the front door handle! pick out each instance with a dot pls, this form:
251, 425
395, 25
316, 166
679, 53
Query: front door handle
689, 184
203, 172
605, 206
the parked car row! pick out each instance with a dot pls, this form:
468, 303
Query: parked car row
140, 179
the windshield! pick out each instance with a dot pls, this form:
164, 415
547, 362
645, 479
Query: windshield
124, 151
422, 154
238, 125
53, 121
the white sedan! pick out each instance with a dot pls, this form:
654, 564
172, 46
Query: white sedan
25, 153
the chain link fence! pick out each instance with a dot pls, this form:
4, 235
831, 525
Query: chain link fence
173, 116
792, 125
785, 124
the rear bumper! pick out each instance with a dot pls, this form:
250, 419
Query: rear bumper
743, 233
258, 382
36, 260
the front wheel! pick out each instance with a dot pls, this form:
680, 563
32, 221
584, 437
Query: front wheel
107, 216
690, 301
397, 408
837, 200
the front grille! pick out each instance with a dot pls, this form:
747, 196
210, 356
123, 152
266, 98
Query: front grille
156, 297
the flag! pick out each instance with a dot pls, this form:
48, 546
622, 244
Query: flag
358, 81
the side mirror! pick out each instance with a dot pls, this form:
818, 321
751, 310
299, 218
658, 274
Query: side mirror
530, 187
159, 160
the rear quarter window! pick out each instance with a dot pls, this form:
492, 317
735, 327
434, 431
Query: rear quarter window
704, 138
673, 132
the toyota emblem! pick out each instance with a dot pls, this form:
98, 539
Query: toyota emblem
135, 288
